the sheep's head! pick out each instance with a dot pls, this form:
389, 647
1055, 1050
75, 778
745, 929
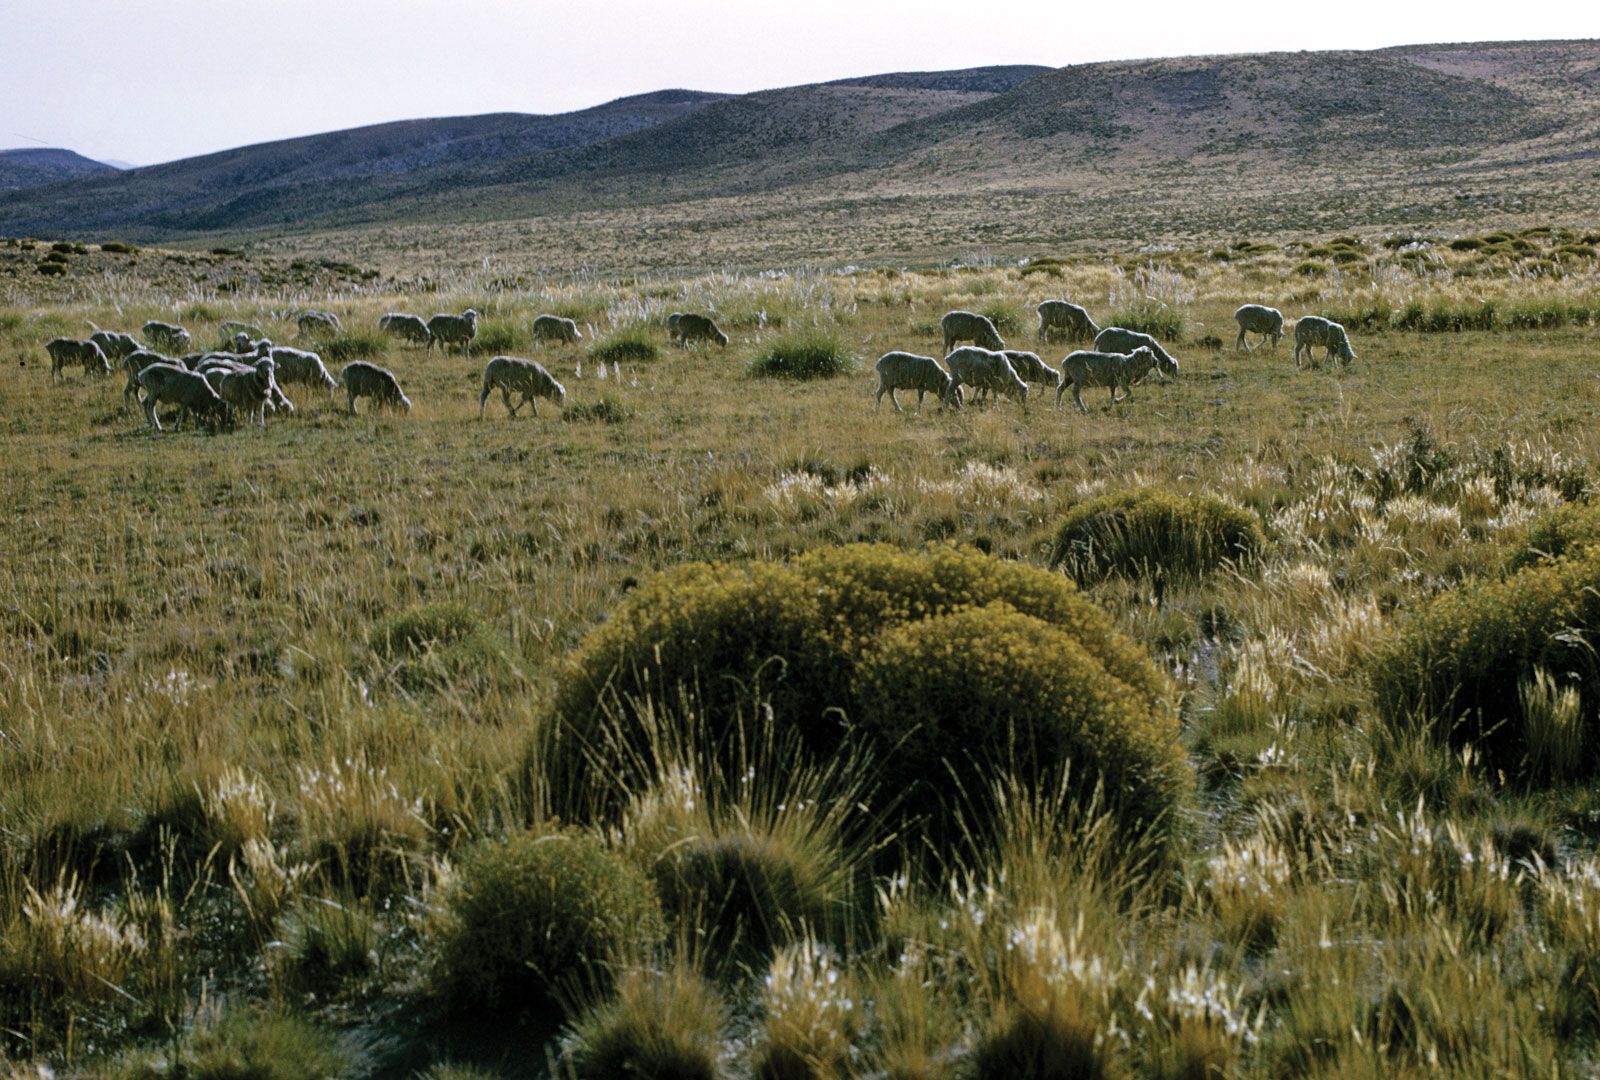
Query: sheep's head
471, 318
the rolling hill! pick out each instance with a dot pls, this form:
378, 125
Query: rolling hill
30, 168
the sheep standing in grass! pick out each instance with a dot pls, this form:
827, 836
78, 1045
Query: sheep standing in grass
162, 335
1114, 339
985, 370
178, 386
449, 330
134, 363
527, 378
1086, 368
248, 388
1069, 319
908, 371
85, 354
969, 326
215, 365
1314, 330
231, 328
687, 326
555, 328
115, 345
1258, 319
406, 327
299, 366
361, 379
318, 324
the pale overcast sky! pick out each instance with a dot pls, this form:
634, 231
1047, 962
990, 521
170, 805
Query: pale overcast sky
152, 80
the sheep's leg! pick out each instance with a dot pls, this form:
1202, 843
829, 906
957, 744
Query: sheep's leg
352, 394
1077, 399
152, 421
483, 399
1238, 342
505, 396
533, 406
1061, 389
920, 392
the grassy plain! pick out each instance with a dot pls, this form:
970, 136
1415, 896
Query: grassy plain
261, 690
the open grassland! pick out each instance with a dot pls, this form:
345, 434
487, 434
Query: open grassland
277, 785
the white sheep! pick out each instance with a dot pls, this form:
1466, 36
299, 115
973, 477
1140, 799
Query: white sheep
1258, 319
1070, 319
986, 370
114, 344
687, 326
162, 335
409, 327
361, 379
248, 388
318, 323
178, 386
448, 330
1313, 330
134, 363
213, 365
1114, 339
528, 378
969, 326
908, 371
1085, 368
231, 328
299, 366
555, 328
85, 354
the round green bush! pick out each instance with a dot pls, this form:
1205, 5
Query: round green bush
1149, 533
957, 699
1461, 659
538, 917
1562, 531
804, 354
661, 1025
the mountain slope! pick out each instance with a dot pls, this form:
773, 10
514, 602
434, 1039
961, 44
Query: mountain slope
30, 168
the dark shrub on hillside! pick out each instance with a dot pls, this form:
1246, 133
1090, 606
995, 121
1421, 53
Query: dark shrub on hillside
633, 343
807, 354
1157, 534
354, 345
538, 917
117, 247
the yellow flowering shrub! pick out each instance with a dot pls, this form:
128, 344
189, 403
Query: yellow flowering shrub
1150, 533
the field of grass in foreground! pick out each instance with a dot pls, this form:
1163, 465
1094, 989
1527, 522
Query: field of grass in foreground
275, 705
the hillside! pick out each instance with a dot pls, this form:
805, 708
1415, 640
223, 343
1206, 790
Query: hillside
30, 168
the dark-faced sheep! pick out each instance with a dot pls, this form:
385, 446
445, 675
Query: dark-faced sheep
687, 326
166, 336
178, 386
361, 379
1314, 330
1114, 339
526, 378
406, 327
908, 371
1070, 320
1258, 319
1085, 368
248, 388
555, 328
450, 330
985, 370
65, 352
969, 326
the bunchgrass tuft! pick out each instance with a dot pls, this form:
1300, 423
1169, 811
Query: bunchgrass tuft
1156, 534
803, 355
631, 344
355, 344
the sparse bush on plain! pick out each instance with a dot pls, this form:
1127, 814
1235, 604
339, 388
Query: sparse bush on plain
631, 344
354, 344
1155, 534
804, 354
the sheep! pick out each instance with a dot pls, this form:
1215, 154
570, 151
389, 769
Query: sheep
134, 363
231, 329
908, 371
527, 377
299, 366
1071, 319
969, 326
1314, 330
1114, 339
86, 354
361, 379
1085, 368
449, 329
409, 327
186, 389
1258, 319
687, 326
114, 344
163, 335
226, 363
555, 328
248, 388
984, 369
244, 343
1029, 368
318, 323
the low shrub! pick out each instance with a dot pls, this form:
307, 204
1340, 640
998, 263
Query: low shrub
536, 919
666, 1026
631, 344
807, 354
438, 644
500, 336
604, 410
252, 1045
1311, 268
1466, 243
348, 345
1160, 321
1560, 532
1156, 534
1007, 317
117, 247
52, 269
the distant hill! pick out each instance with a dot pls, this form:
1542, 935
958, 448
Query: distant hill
30, 168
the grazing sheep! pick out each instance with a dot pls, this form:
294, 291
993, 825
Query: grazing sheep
1258, 319
555, 328
1314, 330
1031, 368
114, 344
1086, 368
134, 363
230, 329
178, 386
216, 364
1114, 339
449, 329
1070, 319
163, 335
985, 370
244, 343
361, 379
86, 354
527, 377
409, 327
318, 324
687, 326
969, 326
248, 388
908, 371
299, 366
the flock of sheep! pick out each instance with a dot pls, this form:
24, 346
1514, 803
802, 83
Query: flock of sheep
1119, 358
246, 379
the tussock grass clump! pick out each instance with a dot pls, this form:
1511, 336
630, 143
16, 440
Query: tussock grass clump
1161, 321
1006, 316
354, 344
604, 410
804, 354
438, 644
1463, 658
540, 919
631, 344
1155, 534
1562, 531
666, 1025
501, 336
252, 1044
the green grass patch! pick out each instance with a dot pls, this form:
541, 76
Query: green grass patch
803, 355
629, 345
